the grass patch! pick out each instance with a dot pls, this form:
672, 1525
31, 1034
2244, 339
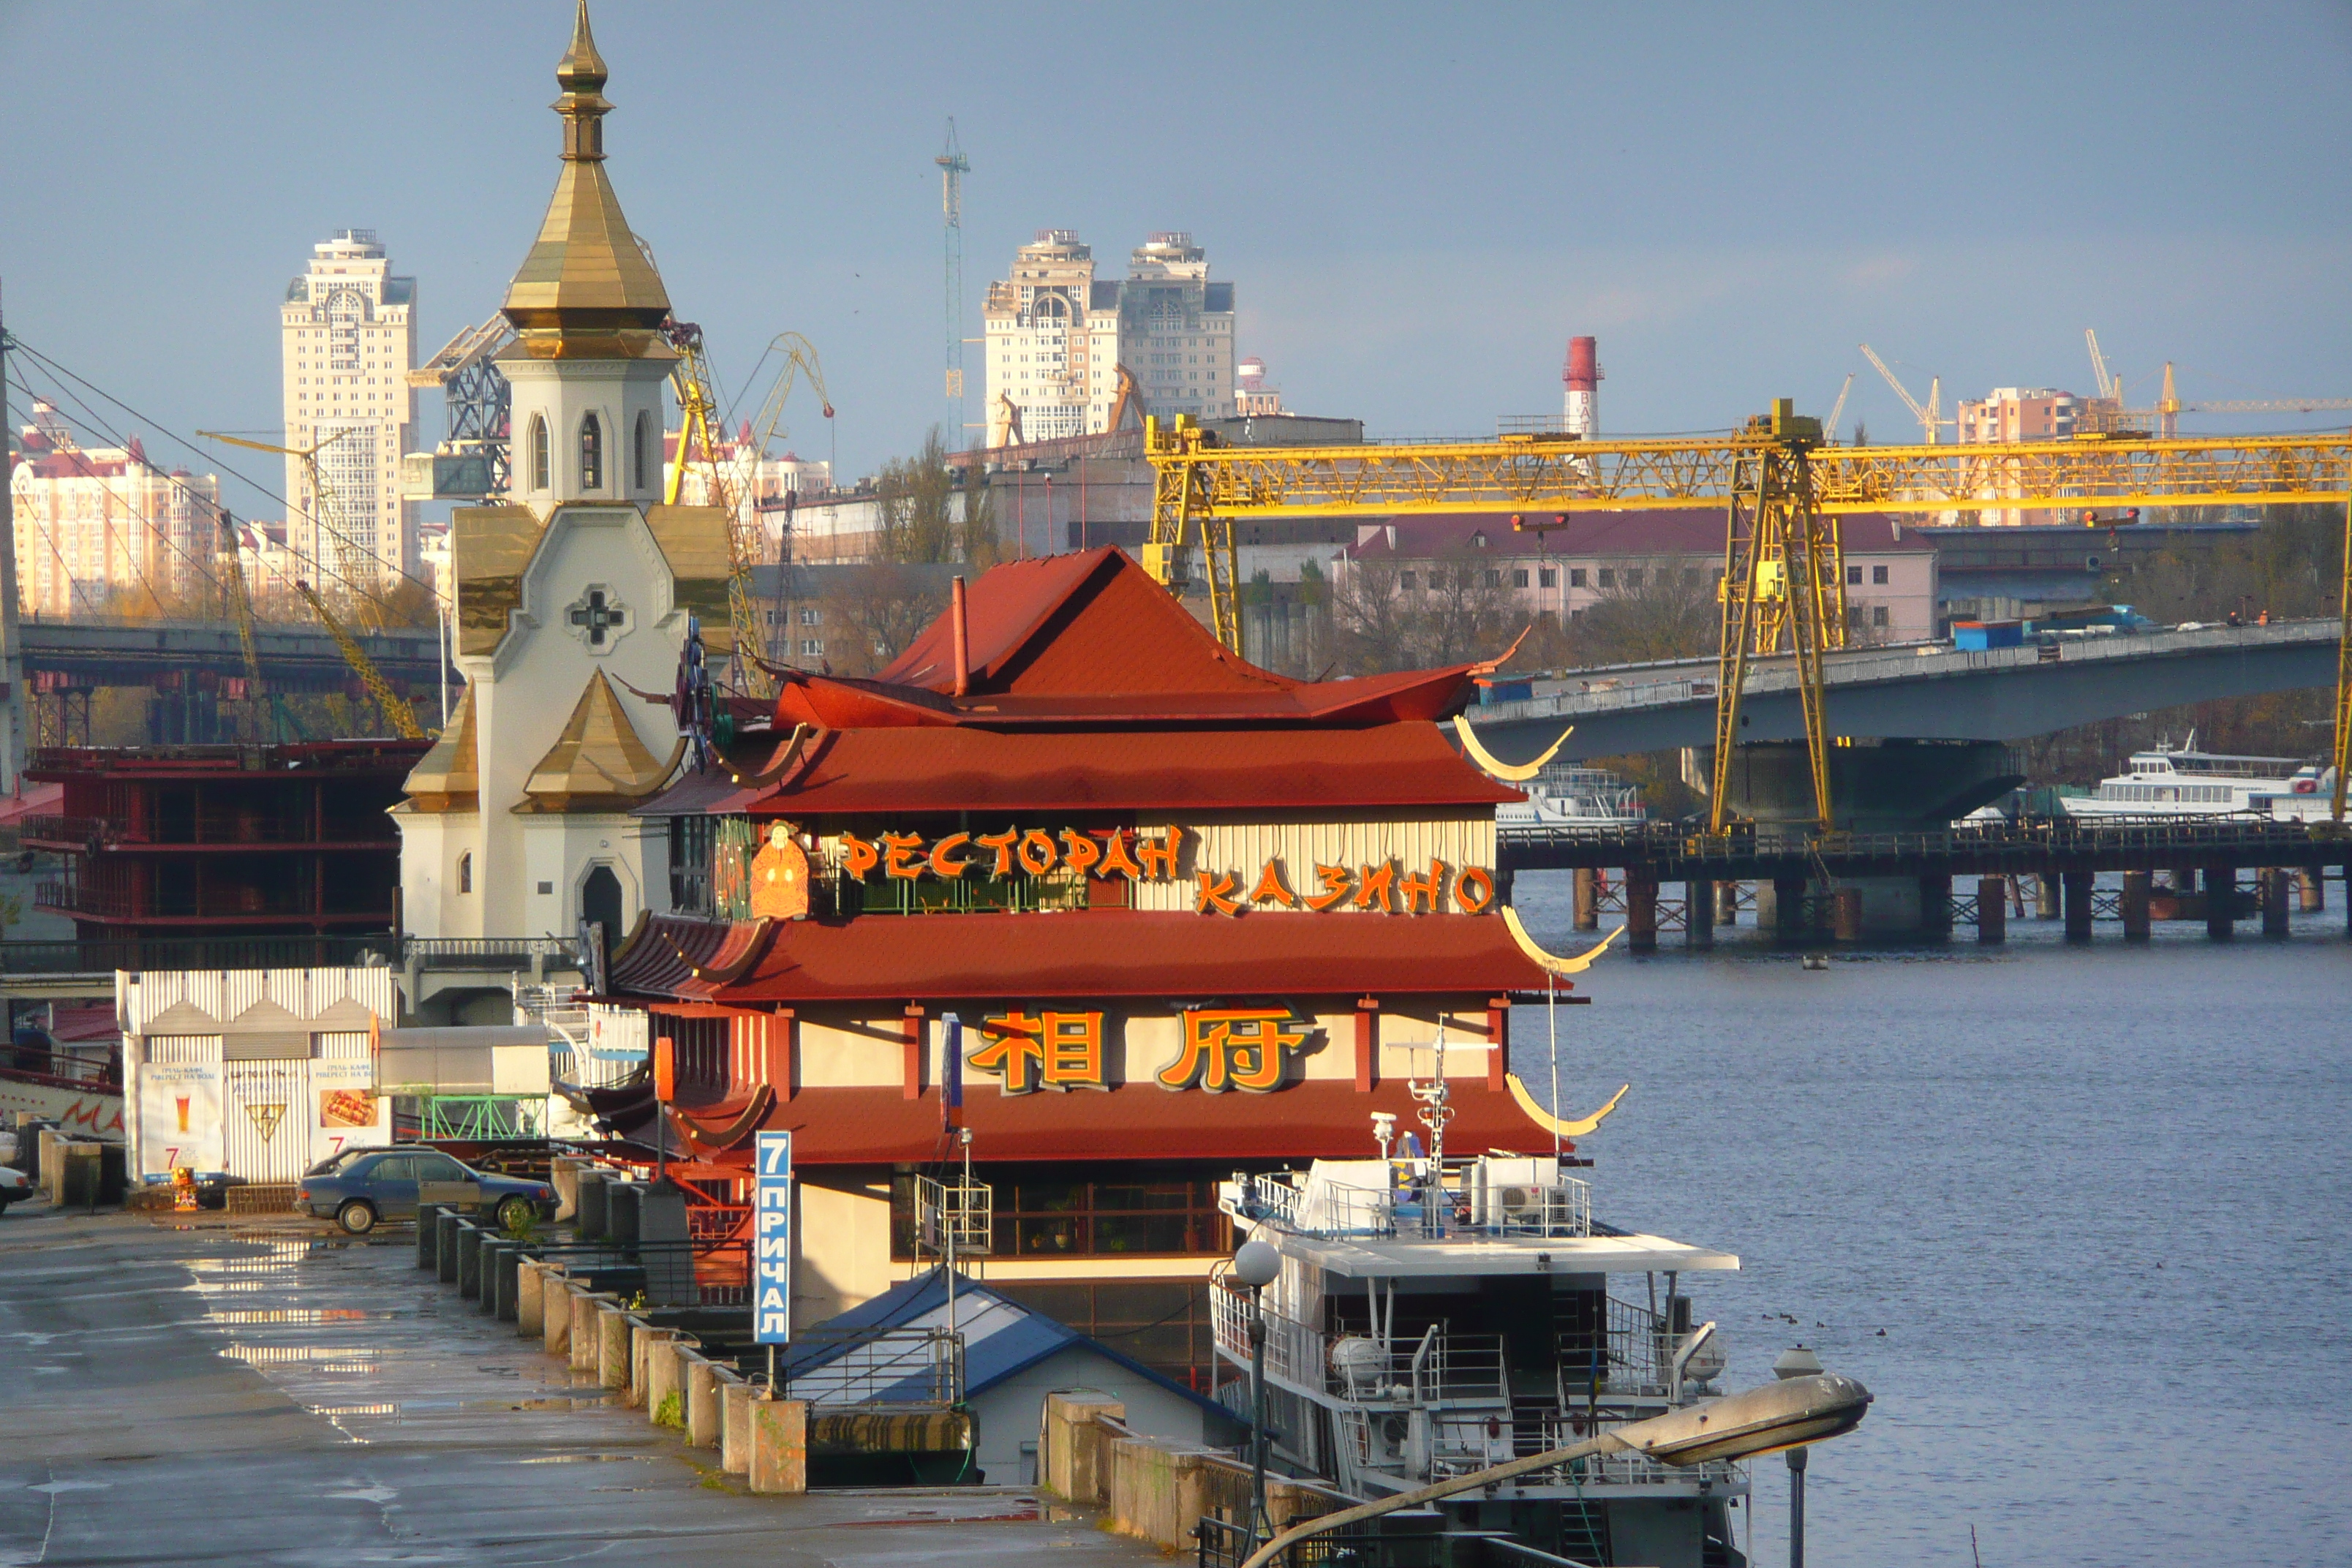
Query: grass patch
670, 1412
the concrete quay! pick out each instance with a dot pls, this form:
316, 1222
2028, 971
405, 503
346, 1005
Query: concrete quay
209, 1390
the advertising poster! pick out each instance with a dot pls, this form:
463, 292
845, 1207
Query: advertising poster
179, 1117
346, 1112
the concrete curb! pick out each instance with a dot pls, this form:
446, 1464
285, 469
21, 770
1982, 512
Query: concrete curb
779, 1444
734, 1424
703, 1417
529, 1316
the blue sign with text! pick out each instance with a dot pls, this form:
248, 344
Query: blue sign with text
772, 1239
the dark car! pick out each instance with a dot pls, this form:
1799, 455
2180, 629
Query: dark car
359, 1190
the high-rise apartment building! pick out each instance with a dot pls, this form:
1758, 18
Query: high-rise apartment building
350, 342
2024, 413
1055, 336
102, 531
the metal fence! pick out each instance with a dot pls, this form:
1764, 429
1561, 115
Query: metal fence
877, 1367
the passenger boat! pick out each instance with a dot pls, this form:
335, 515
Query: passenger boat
1567, 796
1435, 1316
2185, 781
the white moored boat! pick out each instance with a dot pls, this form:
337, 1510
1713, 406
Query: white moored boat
2186, 781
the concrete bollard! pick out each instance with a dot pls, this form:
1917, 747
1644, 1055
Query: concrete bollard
587, 1331
647, 1344
555, 1315
734, 1424
612, 1325
445, 1246
589, 1223
429, 1231
1846, 914
530, 1306
469, 1259
1992, 910
779, 1444
501, 1273
2136, 905
621, 1199
486, 1300
703, 1417
659, 1384
563, 1175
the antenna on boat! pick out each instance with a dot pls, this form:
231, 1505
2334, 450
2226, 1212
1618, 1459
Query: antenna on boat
1434, 1114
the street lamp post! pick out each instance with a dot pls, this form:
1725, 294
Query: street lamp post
1258, 1265
1797, 1362
1766, 1420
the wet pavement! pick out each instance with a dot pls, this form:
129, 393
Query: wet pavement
267, 1393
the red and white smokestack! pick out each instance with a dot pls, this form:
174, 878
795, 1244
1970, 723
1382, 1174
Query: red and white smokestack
1582, 378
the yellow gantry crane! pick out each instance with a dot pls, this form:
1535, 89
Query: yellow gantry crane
403, 717
701, 424
1780, 488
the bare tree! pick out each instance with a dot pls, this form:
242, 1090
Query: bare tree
927, 515
1648, 610
872, 613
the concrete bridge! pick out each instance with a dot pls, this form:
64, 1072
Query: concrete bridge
1928, 692
110, 652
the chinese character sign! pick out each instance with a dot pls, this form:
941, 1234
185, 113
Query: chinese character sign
772, 1239
1234, 1047
1052, 1051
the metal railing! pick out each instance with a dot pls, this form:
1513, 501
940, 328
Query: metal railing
1222, 1543
1629, 1352
467, 948
2216, 832
893, 1367
1438, 1367
98, 955
1459, 1201
209, 829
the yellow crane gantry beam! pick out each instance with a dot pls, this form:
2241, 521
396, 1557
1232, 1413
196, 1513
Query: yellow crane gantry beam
1779, 487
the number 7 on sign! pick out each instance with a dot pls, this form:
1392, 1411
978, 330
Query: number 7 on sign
775, 1155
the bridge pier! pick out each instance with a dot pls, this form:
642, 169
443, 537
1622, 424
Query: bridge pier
1726, 903
2045, 896
2220, 901
1845, 916
2314, 890
1641, 912
1936, 906
1992, 909
1698, 915
2271, 880
1788, 914
2076, 886
1588, 898
2135, 905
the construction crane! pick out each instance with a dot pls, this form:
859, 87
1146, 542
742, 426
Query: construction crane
403, 717
1779, 487
799, 359
231, 559
355, 563
474, 462
953, 167
1837, 409
2109, 387
1931, 418
2165, 417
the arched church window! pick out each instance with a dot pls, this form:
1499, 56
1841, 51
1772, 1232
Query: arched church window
592, 453
466, 872
639, 440
541, 460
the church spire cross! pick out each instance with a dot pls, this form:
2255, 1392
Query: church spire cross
581, 73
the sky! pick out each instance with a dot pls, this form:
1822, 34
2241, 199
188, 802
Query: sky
1418, 204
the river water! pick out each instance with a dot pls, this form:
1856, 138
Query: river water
2075, 1214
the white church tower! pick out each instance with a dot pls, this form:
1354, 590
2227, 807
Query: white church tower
572, 599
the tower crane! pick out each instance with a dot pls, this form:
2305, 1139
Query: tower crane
2109, 388
953, 167
355, 563
799, 359
403, 717
2165, 417
1931, 418
1779, 490
1837, 409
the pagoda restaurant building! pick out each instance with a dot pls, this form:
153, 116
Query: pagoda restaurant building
1073, 877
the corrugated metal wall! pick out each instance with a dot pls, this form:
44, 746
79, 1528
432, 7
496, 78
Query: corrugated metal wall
184, 1049
266, 1120
225, 993
1243, 849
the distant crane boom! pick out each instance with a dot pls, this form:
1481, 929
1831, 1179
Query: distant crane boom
403, 717
1830, 426
1931, 418
2099, 366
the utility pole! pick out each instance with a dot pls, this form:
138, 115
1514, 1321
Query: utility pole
12, 648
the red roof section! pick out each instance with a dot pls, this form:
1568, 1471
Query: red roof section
920, 770
1319, 1118
1098, 953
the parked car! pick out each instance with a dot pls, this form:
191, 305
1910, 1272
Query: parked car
14, 1185
360, 1193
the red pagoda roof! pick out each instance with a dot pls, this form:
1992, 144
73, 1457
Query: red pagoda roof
1089, 639
1098, 952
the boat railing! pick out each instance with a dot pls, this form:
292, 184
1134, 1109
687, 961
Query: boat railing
1560, 1431
1458, 1202
1629, 1352
1436, 1367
